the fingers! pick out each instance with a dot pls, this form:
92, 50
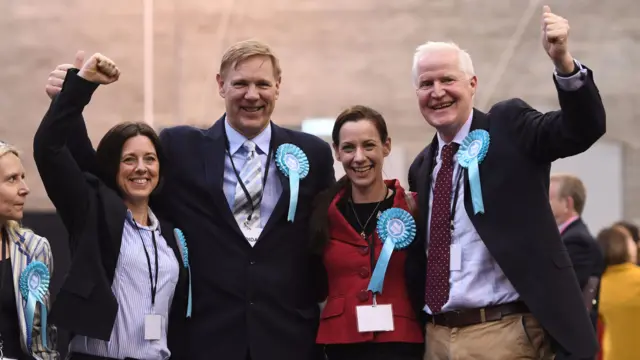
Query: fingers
79, 60
107, 66
546, 9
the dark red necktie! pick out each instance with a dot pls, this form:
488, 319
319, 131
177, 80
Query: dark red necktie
437, 287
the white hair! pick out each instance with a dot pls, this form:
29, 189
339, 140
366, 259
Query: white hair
430, 47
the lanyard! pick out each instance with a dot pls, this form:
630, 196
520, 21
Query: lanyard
237, 174
455, 189
154, 286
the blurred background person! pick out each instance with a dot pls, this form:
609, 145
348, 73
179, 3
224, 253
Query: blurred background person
126, 291
344, 232
620, 295
20, 248
630, 229
567, 197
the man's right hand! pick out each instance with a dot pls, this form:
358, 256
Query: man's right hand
99, 69
56, 77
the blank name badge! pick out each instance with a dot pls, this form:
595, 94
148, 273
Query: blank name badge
374, 317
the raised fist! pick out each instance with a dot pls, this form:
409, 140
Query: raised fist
555, 38
56, 77
100, 70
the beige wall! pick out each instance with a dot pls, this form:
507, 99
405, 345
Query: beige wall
334, 53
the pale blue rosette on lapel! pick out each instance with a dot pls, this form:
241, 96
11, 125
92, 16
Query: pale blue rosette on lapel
34, 284
184, 251
396, 229
293, 163
471, 153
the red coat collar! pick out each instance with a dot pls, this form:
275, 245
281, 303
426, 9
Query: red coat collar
339, 227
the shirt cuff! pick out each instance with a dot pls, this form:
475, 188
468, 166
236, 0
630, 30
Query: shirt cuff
572, 82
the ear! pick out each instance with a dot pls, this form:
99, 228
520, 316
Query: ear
570, 203
336, 153
474, 85
386, 147
278, 87
220, 82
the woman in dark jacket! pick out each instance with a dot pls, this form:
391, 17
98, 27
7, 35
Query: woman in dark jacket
126, 293
349, 233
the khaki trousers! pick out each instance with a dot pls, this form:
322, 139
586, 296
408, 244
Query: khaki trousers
511, 338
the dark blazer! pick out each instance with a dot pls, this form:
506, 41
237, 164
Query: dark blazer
586, 257
260, 299
94, 216
518, 227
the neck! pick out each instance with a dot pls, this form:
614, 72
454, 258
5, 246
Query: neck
449, 133
140, 211
248, 133
373, 193
566, 218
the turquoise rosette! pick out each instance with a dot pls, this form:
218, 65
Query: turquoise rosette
184, 251
293, 163
471, 153
34, 284
396, 229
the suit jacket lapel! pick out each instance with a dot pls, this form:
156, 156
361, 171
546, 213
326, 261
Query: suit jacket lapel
424, 178
480, 121
279, 137
19, 262
215, 152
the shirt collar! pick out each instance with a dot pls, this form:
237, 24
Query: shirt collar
236, 139
462, 133
155, 224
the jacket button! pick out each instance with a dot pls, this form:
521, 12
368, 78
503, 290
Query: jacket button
364, 273
363, 295
364, 250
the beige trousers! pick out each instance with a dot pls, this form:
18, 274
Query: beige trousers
512, 338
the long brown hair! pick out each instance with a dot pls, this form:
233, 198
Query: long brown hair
322, 202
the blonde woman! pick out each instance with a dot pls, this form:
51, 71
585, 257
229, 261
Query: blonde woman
25, 267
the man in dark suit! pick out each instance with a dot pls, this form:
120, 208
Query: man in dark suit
254, 280
497, 282
567, 197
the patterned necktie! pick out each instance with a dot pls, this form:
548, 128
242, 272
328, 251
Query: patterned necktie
437, 286
251, 177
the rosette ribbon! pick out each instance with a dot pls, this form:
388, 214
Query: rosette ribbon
184, 251
471, 153
34, 284
293, 163
396, 229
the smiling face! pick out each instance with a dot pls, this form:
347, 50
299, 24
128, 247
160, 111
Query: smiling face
250, 90
444, 91
361, 152
13, 189
138, 173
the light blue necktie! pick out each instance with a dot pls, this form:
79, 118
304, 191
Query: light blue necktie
251, 177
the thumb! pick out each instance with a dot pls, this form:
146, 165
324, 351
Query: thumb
79, 61
546, 9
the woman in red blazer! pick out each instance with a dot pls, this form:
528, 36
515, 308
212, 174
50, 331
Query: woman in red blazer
345, 235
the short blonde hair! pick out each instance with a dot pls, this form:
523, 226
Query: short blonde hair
243, 50
571, 186
466, 65
4, 150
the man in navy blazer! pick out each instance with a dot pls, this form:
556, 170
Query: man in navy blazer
254, 280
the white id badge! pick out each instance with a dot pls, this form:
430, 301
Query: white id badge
252, 235
374, 318
456, 257
152, 327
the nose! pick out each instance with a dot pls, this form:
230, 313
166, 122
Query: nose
438, 90
24, 189
140, 167
252, 93
359, 156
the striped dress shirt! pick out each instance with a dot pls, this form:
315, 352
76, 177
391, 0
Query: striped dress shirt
132, 288
27, 247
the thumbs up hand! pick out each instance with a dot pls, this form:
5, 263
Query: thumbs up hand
555, 36
56, 77
100, 70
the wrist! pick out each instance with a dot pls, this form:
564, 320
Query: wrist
566, 65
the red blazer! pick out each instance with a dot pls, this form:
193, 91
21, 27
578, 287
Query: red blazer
347, 261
